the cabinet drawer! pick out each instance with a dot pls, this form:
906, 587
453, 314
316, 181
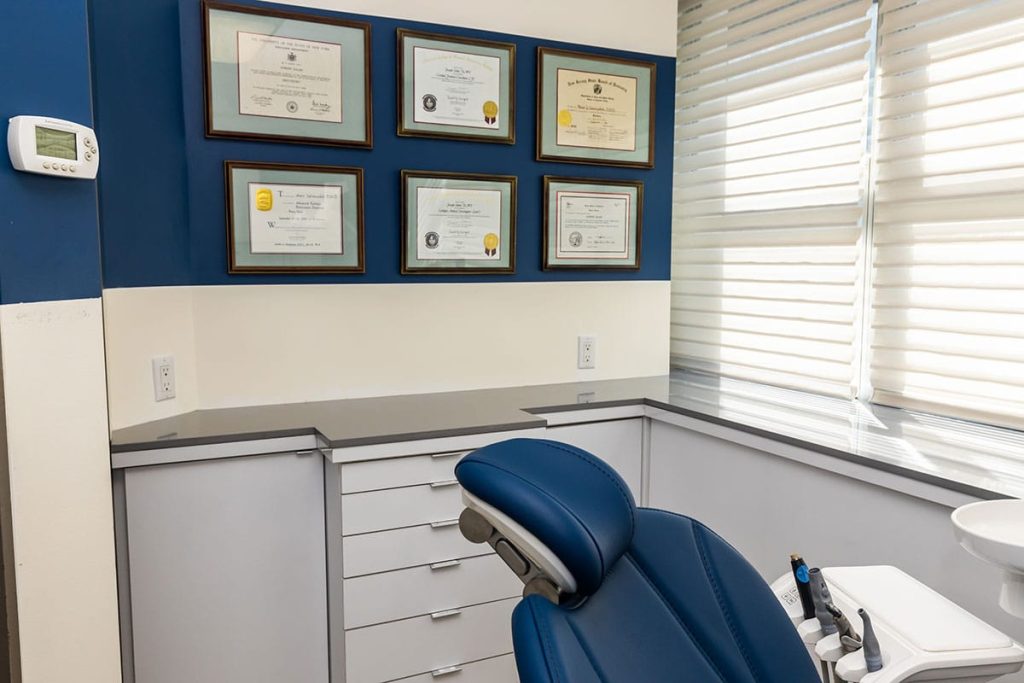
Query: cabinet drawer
494, 670
425, 644
434, 588
385, 551
380, 510
394, 472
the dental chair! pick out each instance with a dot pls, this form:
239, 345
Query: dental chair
615, 593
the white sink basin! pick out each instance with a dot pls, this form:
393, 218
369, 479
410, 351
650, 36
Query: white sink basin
993, 530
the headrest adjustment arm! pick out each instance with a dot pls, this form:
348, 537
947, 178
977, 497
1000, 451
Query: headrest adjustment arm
477, 529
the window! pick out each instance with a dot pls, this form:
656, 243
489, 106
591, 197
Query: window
849, 199
948, 314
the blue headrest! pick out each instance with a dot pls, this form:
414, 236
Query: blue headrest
570, 500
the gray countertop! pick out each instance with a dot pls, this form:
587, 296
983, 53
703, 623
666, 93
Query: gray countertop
975, 459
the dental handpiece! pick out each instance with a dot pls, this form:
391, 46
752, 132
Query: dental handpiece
848, 637
822, 597
872, 650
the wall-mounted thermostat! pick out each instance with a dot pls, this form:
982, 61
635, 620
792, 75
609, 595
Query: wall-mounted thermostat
38, 144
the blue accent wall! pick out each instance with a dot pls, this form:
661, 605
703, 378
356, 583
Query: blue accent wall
49, 244
162, 186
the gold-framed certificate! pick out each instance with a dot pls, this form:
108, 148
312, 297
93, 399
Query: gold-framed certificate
592, 224
595, 109
288, 218
286, 76
458, 223
454, 87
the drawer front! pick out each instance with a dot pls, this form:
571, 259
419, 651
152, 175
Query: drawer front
416, 591
362, 513
391, 473
494, 670
421, 645
385, 551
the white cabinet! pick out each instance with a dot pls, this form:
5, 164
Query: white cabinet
408, 577
617, 442
227, 570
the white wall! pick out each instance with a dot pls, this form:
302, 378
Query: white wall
59, 468
251, 345
641, 25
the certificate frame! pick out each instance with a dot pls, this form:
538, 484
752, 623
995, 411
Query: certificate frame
348, 118
629, 193
413, 262
244, 178
410, 104
635, 150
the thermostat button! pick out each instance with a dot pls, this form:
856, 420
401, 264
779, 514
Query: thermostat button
63, 167
46, 164
73, 169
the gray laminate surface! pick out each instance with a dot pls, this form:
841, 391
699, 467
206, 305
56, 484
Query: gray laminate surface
964, 456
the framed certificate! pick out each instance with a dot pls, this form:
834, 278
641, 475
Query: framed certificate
592, 224
286, 76
593, 109
285, 218
458, 223
451, 87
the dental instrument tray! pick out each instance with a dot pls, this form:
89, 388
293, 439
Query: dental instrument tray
923, 635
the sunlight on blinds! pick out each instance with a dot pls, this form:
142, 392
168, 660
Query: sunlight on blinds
948, 328
769, 189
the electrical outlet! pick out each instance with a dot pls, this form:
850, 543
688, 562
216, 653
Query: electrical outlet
163, 377
586, 353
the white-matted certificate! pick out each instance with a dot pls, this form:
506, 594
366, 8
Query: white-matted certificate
458, 223
295, 219
592, 225
456, 88
596, 110
289, 78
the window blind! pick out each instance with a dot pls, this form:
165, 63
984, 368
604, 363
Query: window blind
948, 295
769, 195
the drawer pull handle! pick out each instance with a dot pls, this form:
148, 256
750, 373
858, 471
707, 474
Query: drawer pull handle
438, 456
444, 484
445, 671
445, 614
445, 565
443, 523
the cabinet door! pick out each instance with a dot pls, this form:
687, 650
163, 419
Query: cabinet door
618, 442
228, 570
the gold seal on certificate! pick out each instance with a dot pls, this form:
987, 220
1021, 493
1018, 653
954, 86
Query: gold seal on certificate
458, 223
596, 110
592, 224
454, 87
289, 78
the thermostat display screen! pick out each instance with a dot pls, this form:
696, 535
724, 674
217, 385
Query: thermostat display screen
59, 144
